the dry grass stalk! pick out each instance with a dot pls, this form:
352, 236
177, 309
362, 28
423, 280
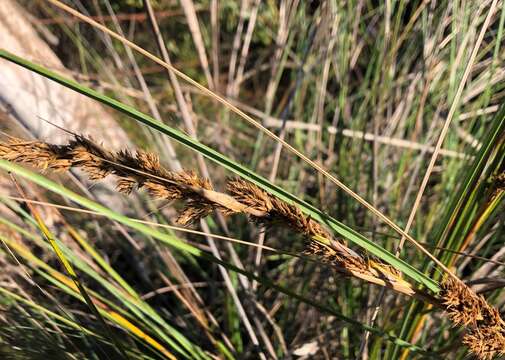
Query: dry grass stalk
485, 335
143, 170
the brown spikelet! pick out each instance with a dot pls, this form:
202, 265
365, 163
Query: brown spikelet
149, 162
338, 259
159, 190
90, 157
139, 170
276, 210
193, 212
295, 218
349, 263
486, 342
249, 194
35, 153
485, 335
126, 185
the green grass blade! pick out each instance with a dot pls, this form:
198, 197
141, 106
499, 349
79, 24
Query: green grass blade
180, 245
48, 235
48, 312
236, 168
134, 304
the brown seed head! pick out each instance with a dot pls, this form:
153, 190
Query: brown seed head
143, 170
278, 211
139, 170
339, 259
485, 328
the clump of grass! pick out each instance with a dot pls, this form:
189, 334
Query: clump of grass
485, 335
357, 88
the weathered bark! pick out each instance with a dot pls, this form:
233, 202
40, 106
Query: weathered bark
29, 97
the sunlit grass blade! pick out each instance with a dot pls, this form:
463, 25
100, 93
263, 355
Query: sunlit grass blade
134, 305
73, 275
236, 168
44, 310
105, 308
180, 245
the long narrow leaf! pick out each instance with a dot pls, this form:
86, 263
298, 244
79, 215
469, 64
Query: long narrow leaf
238, 169
180, 245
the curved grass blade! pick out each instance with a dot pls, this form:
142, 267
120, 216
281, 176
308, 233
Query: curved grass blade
180, 245
73, 275
105, 308
48, 312
134, 304
236, 168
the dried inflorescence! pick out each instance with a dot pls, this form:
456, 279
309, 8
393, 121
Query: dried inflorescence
143, 170
485, 335
139, 170
35, 153
339, 259
275, 209
348, 262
